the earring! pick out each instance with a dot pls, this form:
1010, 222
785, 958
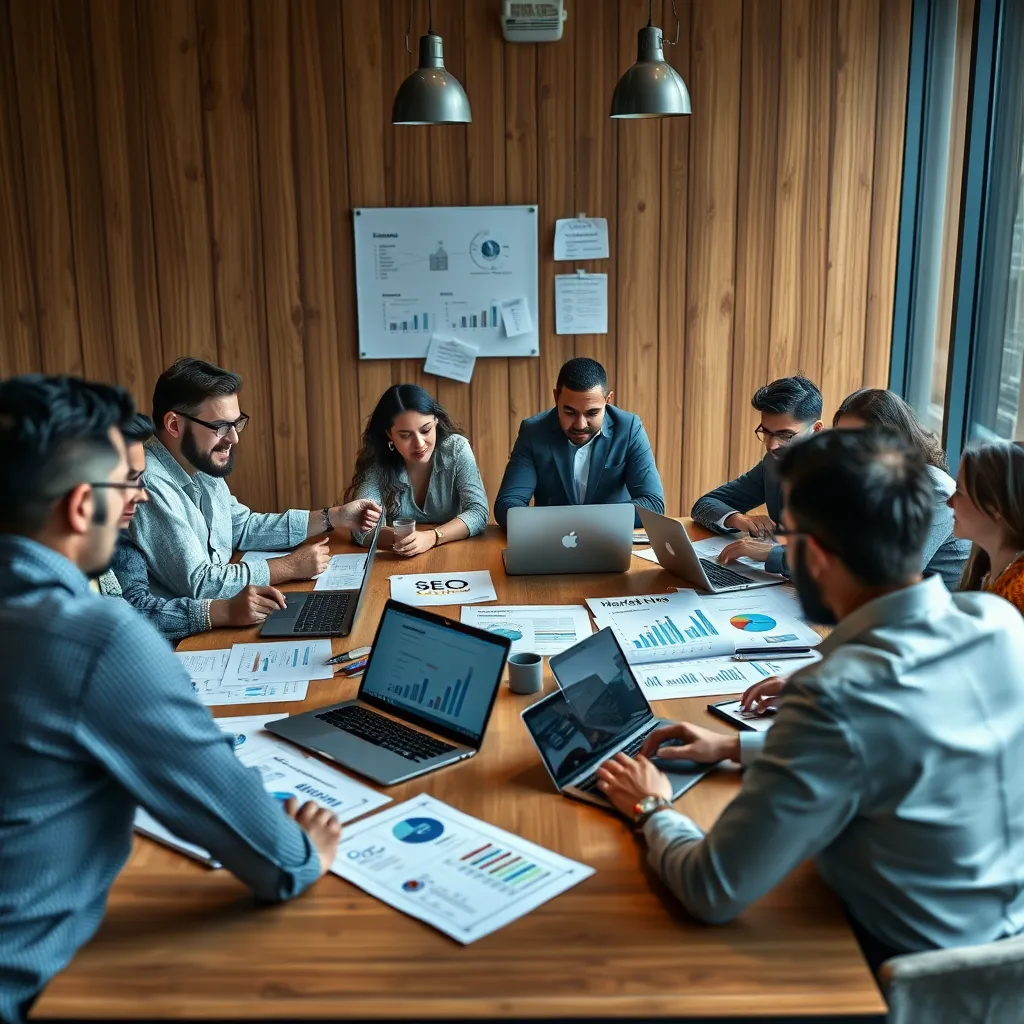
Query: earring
391, 446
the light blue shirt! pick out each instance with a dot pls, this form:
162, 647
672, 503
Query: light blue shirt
898, 763
97, 716
192, 525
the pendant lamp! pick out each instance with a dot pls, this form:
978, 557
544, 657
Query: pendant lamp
431, 94
651, 87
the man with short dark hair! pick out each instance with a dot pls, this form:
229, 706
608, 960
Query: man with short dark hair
128, 578
790, 408
895, 760
584, 451
96, 713
192, 524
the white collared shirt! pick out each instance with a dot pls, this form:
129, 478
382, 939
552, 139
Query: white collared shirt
581, 455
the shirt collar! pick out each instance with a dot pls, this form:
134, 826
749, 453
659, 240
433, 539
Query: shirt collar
30, 562
157, 450
929, 597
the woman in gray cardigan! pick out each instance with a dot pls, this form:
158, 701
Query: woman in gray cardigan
417, 464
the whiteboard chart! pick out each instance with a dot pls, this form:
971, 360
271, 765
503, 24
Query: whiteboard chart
444, 268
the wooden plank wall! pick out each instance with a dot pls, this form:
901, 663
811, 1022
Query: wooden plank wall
177, 176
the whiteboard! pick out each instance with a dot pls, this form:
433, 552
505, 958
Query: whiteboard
444, 268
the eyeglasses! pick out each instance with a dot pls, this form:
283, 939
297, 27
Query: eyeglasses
222, 427
131, 485
782, 436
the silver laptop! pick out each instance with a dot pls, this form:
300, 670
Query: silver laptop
675, 552
322, 612
598, 711
424, 701
569, 538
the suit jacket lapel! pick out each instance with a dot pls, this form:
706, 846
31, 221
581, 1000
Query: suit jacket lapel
602, 445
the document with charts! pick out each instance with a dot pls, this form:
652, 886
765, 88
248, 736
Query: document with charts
539, 629
279, 662
682, 625
458, 874
706, 677
286, 772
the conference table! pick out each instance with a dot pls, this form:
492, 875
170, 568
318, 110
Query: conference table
180, 940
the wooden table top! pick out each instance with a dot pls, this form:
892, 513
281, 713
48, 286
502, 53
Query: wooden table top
182, 941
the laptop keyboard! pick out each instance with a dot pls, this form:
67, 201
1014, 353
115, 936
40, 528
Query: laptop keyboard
322, 613
632, 749
386, 733
720, 576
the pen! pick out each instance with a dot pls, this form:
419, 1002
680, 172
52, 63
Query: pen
355, 668
771, 654
353, 655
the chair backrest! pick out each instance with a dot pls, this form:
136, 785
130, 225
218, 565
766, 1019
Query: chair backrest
971, 985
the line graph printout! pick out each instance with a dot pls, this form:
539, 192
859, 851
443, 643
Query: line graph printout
279, 662
450, 269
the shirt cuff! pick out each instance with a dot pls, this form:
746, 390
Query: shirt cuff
259, 573
199, 616
298, 528
776, 561
666, 829
751, 745
720, 523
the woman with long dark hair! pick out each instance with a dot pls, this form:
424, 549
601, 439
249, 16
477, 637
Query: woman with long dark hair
988, 506
417, 464
944, 554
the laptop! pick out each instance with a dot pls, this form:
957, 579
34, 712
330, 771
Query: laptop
424, 701
675, 552
322, 612
569, 538
598, 711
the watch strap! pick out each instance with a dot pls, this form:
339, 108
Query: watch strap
641, 817
328, 525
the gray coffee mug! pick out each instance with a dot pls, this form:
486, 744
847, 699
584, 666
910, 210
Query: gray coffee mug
525, 673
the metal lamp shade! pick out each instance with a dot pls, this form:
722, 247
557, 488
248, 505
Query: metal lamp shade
651, 87
431, 95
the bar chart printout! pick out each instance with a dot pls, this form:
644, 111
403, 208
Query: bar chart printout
705, 677
279, 662
673, 626
458, 874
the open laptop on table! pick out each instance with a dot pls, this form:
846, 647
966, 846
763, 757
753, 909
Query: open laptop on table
568, 539
598, 711
675, 552
424, 701
322, 612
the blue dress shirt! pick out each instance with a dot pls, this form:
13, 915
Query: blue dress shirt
97, 716
896, 763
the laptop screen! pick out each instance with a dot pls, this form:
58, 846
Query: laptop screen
599, 704
443, 673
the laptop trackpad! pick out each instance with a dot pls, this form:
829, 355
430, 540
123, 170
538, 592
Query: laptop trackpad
682, 774
293, 605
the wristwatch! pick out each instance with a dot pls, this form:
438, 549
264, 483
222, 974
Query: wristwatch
439, 535
645, 807
328, 525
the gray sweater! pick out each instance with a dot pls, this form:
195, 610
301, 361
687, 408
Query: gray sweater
455, 490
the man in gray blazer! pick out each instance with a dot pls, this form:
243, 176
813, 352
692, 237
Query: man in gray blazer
584, 451
895, 760
789, 408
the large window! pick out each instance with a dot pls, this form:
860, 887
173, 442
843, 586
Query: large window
958, 333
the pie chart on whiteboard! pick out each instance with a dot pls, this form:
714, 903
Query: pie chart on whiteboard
754, 622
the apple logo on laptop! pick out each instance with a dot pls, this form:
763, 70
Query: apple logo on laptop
670, 549
569, 540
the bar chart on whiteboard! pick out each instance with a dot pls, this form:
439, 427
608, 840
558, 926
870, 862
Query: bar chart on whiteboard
448, 269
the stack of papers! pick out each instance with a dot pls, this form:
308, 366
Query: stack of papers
536, 629
683, 645
429, 589
286, 773
458, 874
257, 673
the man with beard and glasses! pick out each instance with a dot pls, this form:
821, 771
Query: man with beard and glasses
192, 524
790, 408
96, 713
128, 578
584, 451
895, 761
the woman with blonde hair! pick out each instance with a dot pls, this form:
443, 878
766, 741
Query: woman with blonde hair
988, 509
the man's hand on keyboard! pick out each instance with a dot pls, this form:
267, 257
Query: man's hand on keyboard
758, 550
322, 827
